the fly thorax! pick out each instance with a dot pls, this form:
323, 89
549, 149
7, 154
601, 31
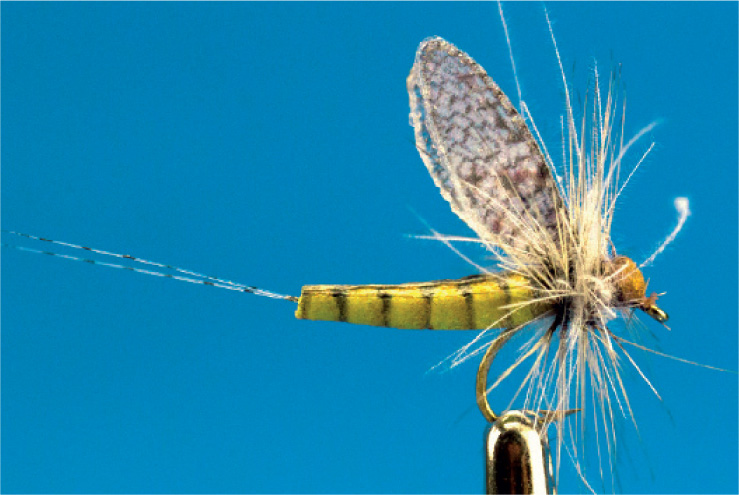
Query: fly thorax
585, 294
594, 295
626, 280
630, 288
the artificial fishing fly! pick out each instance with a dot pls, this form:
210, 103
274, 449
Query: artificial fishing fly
558, 279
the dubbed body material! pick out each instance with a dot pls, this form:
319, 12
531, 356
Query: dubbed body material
475, 302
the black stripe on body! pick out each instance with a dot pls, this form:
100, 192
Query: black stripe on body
387, 302
305, 300
340, 298
469, 303
428, 300
503, 284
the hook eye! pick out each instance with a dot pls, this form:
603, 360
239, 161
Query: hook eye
656, 313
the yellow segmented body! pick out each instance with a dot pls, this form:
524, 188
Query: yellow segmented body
469, 303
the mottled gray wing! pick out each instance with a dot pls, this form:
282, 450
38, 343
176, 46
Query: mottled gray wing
479, 151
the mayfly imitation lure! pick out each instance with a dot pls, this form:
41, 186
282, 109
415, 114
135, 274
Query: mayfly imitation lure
559, 280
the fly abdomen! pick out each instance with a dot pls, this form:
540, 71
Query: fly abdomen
469, 303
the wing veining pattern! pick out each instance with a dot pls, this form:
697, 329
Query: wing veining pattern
478, 149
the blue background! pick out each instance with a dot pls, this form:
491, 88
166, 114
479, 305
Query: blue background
269, 144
